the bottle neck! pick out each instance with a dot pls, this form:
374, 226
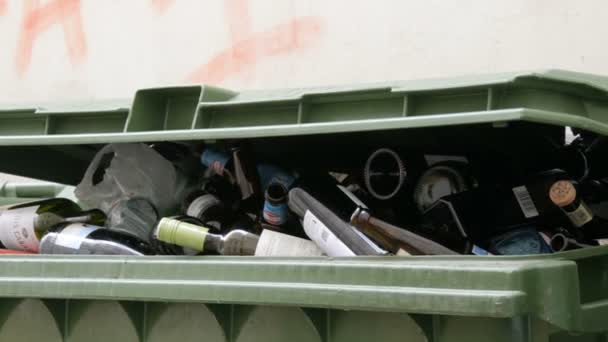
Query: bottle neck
237, 242
80, 218
213, 243
46, 221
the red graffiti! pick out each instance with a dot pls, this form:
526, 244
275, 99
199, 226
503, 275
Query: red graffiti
238, 19
38, 19
161, 6
282, 39
3, 7
248, 48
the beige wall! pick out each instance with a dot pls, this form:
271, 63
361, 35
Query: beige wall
88, 49
107, 48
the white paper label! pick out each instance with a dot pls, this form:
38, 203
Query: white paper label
402, 252
602, 242
525, 201
73, 235
17, 229
278, 244
323, 237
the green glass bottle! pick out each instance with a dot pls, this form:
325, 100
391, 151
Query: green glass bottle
23, 225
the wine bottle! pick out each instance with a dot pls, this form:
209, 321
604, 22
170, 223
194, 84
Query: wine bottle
327, 229
221, 163
398, 241
239, 169
236, 242
564, 195
85, 239
272, 174
478, 214
23, 225
394, 239
245, 173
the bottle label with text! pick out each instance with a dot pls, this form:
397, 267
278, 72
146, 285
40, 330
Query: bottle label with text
278, 244
17, 229
324, 237
525, 201
275, 214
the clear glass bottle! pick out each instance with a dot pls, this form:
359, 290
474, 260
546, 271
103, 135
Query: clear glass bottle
236, 242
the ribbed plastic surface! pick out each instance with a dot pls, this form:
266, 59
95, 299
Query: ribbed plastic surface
204, 112
560, 297
566, 291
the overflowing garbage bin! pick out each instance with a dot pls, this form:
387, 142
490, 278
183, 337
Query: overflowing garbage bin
433, 210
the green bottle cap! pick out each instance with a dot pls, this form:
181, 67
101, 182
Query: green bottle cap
181, 233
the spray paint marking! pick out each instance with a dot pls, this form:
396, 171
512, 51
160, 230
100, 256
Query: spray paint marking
3, 7
161, 6
248, 48
39, 19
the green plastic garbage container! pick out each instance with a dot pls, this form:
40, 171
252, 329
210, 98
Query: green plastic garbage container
558, 297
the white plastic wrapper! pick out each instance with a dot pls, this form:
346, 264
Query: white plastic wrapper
134, 171
134, 216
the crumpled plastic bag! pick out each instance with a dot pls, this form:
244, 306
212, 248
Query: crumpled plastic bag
120, 172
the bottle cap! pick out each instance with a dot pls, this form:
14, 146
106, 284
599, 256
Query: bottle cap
562, 193
181, 233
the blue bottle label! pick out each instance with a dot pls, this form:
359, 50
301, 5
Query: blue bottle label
520, 242
275, 214
215, 160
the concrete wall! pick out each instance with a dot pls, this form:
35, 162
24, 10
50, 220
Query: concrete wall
88, 49
82, 49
